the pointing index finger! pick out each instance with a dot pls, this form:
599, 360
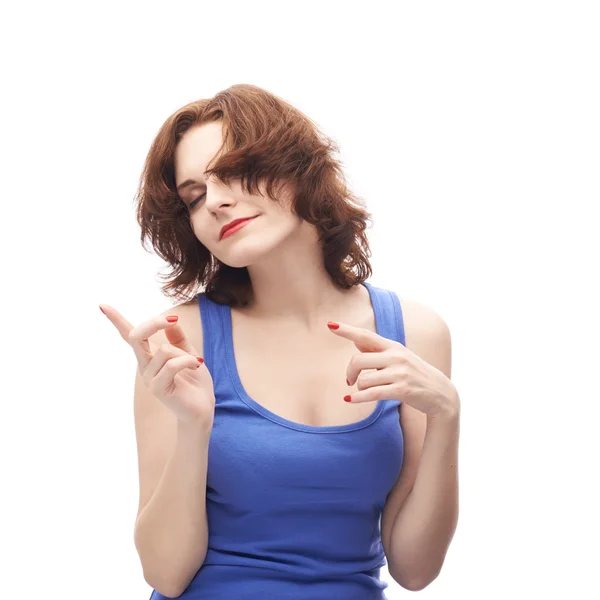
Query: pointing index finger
138, 337
364, 339
122, 325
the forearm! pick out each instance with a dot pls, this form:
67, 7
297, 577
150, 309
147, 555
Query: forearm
425, 525
171, 533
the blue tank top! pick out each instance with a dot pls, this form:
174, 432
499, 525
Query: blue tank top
294, 510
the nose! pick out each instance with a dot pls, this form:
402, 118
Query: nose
217, 195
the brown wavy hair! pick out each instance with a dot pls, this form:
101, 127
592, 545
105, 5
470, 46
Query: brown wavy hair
268, 141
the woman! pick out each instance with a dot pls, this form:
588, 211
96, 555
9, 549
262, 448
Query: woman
257, 479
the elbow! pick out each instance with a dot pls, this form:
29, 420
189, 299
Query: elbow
169, 584
169, 589
165, 584
415, 584
163, 580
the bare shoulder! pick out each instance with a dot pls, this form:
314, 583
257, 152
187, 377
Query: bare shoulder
427, 335
421, 323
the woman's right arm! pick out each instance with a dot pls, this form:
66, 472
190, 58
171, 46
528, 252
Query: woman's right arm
171, 530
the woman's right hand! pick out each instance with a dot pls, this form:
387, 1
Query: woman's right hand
172, 371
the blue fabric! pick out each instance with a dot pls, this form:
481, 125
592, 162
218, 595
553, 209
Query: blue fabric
294, 511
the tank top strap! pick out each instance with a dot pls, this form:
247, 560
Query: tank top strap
388, 311
213, 332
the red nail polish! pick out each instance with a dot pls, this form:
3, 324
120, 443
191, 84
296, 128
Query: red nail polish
347, 382
102, 310
200, 360
172, 319
332, 325
347, 398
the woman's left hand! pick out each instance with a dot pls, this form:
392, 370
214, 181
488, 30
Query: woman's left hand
401, 374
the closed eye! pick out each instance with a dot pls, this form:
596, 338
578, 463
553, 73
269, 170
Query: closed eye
194, 202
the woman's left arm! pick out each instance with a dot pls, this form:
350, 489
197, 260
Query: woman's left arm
421, 511
425, 524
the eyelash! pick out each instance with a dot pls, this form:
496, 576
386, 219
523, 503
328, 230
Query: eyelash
193, 202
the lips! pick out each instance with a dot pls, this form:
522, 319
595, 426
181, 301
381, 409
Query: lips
233, 224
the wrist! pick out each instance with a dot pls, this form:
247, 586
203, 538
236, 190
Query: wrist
196, 427
448, 411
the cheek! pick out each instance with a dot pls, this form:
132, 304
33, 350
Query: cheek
201, 231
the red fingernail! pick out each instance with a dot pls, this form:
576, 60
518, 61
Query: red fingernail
347, 382
347, 398
200, 360
102, 310
172, 319
332, 325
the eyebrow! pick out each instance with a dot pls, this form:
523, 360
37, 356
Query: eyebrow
187, 183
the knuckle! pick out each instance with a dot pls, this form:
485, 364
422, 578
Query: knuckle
354, 364
171, 366
399, 356
164, 352
401, 372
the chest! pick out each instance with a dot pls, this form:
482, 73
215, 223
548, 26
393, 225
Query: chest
297, 376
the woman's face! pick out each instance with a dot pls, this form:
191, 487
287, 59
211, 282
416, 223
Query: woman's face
212, 204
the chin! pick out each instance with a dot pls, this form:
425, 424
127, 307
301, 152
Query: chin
239, 264
240, 258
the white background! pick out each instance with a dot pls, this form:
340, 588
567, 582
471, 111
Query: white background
471, 128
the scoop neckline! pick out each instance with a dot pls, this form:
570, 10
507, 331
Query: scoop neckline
259, 408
